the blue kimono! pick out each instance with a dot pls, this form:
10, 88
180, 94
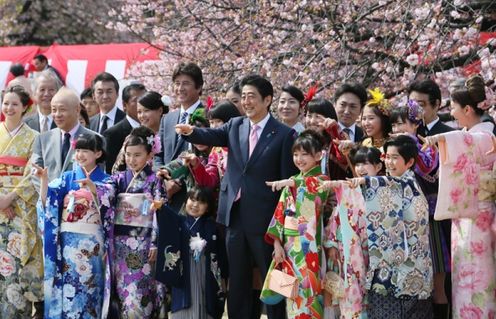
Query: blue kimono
75, 244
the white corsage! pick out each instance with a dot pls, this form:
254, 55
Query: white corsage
196, 244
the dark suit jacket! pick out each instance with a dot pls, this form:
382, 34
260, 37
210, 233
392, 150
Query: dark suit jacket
171, 145
271, 160
33, 121
358, 134
438, 128
114, 139
95, 120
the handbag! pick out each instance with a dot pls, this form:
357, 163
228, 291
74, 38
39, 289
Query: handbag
334, 284
283, 283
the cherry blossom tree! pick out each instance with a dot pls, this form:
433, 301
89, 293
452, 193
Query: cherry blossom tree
377, 42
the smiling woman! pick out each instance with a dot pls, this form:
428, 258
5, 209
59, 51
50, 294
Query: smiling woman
289, 106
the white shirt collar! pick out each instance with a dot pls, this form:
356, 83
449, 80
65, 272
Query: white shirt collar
133, 122
111, 114
41, 116
190, 109
351, 128
431, 124
261, 124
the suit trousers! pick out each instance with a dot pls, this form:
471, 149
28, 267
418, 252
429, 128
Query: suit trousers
242, 249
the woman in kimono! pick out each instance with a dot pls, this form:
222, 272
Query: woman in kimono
21, 261
136, 194
466, 165
375, 119
76, 237
296, 231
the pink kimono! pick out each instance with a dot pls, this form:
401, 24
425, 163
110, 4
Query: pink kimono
463, 191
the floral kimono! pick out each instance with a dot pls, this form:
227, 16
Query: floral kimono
347, 231
298, 224
400, 264
21, 261
464, 189
133, 236
77, 274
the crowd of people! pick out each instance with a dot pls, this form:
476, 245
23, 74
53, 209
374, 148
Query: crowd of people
350, 206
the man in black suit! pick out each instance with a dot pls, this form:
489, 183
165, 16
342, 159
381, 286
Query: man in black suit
115, 135
428, 95
350, 99
259, 151
46, 85
187, 79
105, 90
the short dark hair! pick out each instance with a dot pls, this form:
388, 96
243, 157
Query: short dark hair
41, 58
323, 107
92, 142
204, 195
428, 87
88, 92
153, 101
235, 88
399, 113
126, 91
365, 154
353, 88
263, 86
190, 69
84, 113
308, 141
224, 111
294, 92
105, 77
407, 147
17, 69
471, 94
139, 136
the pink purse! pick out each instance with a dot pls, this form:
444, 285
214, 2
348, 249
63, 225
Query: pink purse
283, 283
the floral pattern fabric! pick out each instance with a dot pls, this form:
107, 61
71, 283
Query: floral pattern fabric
347, 231
76, 281
21, 261
139, 294
298, 224
464, 163
397, 217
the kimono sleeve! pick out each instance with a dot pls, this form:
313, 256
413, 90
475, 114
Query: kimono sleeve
276, 226
25, 189
207, 176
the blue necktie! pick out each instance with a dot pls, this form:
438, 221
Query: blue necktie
182, 120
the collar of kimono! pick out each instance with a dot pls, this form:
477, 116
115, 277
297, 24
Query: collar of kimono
314, 171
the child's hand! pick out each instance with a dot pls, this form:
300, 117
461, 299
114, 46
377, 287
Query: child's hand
328, 123
278, 185
88, 183
189, 159
172, 186
344, 146
327, 185
355, 182
163, 173
431, 140
333, 255
184, 129
152, 255
279, 255
39, 171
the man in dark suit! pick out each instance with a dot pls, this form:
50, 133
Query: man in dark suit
428, 95
115, 135
105, 90
350, 99
187, 79
46, 85
246, 204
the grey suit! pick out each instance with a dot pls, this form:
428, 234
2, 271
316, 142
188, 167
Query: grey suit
33, 121
47, 152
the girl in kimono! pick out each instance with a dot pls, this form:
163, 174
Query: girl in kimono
375, 119
466, 165
21, 261
202, 292
296, 230
135, 195
405, 120
399, 276
76, 236
347, 235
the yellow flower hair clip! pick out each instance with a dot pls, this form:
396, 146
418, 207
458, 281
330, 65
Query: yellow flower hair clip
378, 100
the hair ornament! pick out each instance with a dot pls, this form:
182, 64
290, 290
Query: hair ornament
198, 116
379, 100
210, 102
309, 96
154, 141
415, 112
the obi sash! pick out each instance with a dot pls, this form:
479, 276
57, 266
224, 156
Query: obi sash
134, 210
12, 166
80, 213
